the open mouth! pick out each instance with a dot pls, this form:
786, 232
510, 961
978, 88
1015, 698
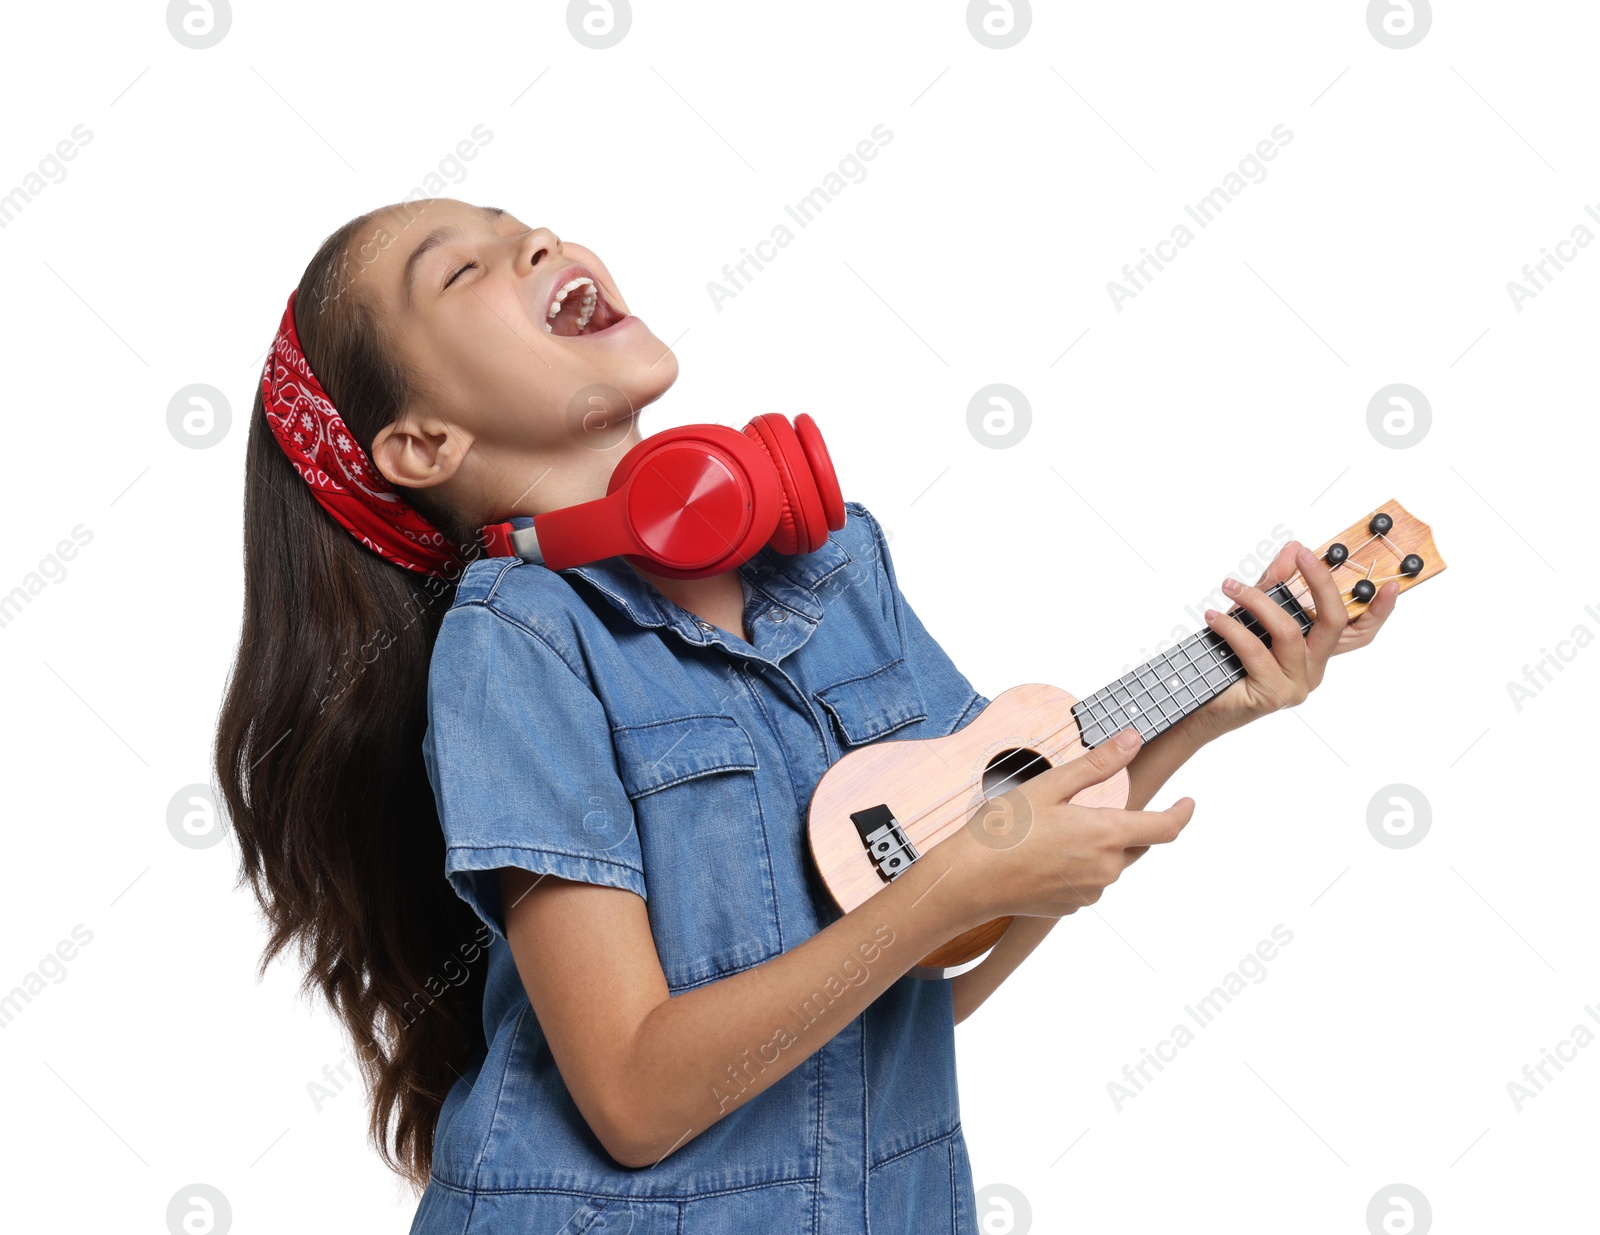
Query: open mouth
579, 309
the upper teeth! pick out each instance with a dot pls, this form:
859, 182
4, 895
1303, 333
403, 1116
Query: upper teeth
591, 296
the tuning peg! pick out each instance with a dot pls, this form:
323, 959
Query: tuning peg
1411, 565
1336, 554
1380, 524
1364, 591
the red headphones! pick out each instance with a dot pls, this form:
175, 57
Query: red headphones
694, 501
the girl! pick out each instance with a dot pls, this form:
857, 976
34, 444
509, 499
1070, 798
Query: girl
540, 833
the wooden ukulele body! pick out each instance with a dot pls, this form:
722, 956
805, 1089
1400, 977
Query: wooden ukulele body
931, 788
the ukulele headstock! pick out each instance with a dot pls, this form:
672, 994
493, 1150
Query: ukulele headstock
1388, 542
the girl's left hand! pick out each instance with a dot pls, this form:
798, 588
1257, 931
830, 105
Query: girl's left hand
1284, 674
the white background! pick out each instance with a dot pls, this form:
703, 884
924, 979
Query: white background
1227, 398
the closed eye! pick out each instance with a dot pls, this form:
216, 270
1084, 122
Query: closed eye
459, 273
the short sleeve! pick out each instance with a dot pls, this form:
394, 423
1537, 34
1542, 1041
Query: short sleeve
943, 685
518, 750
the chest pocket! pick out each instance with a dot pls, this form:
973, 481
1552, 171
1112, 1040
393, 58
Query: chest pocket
875, 705
708, 874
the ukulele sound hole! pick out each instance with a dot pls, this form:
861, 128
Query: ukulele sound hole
1010, 768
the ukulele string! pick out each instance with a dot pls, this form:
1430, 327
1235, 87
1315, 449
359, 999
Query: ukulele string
1003, 784
961, 813
1045, 755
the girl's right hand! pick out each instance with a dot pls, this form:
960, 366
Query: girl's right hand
1049, 857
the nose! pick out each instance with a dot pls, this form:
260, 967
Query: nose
538, 245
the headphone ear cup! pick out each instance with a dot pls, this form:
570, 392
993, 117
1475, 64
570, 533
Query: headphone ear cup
820, 466
802, 524
735, 505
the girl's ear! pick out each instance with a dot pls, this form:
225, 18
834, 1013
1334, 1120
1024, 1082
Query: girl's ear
413, 454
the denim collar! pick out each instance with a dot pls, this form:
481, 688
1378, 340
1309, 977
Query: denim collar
785, 579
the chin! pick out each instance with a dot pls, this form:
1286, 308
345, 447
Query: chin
646, 373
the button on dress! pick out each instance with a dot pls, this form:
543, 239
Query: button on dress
581, 724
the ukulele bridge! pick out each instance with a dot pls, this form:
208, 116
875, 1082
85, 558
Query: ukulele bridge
887, 844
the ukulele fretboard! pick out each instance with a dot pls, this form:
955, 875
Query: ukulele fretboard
1166, 688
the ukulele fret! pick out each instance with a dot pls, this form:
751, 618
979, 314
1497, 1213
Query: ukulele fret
1165, 689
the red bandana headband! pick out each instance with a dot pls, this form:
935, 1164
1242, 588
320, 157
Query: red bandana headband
342, 477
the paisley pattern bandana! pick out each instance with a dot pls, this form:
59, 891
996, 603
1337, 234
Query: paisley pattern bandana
340, 473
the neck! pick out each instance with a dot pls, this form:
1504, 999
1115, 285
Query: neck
1162, 691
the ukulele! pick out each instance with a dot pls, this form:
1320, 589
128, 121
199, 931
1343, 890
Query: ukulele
877, 809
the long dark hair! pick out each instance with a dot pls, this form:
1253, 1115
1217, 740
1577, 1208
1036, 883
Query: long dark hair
318, 752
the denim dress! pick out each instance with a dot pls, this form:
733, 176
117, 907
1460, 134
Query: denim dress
582, 724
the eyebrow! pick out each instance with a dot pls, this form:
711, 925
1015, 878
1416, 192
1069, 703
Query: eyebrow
437, 237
